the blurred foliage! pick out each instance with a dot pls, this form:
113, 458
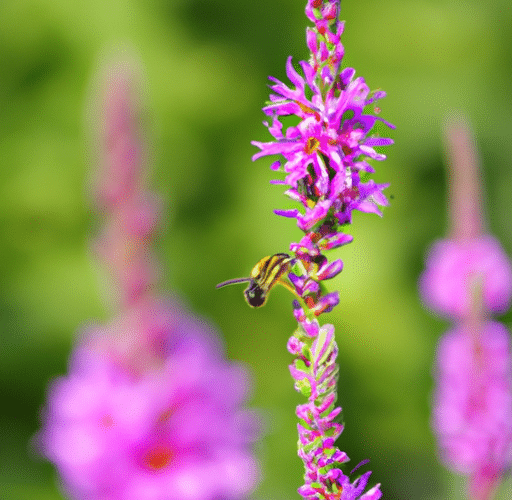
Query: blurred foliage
206, 65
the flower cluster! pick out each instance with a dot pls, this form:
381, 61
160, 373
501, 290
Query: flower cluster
326, 162
150, 409
467, 277
326, 153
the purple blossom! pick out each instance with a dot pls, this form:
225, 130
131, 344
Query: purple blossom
326, 149
175, 430
450, 267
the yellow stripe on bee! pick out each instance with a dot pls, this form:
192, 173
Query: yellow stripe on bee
268, 270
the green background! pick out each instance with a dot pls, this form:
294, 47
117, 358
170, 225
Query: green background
206, 66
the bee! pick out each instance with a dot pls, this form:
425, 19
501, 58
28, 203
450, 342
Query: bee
264, 275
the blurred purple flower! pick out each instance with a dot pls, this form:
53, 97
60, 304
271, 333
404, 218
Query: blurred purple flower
131, 213
121, 161
452, 263
450, 267
173, 430
473, 402
467, 277
150, 408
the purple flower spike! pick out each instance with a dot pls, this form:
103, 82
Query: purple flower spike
453, 263
323, 156
467, 277
150, 408
324, 153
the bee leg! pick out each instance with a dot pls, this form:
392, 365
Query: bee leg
289, 287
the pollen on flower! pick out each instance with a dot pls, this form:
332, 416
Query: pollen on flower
307, 110
312, 145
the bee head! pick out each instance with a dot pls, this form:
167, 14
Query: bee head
255, 295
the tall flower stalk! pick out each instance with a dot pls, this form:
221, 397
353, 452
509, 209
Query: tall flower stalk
150, 409
326, 166
467, 278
